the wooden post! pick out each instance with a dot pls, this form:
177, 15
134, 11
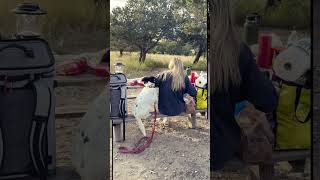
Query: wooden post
193, 121
266, 171
117, 130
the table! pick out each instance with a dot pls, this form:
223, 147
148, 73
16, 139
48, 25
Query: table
79, 80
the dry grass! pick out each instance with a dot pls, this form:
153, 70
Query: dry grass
153, 63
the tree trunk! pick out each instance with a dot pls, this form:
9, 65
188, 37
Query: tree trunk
199, 54
121, 52
143, 54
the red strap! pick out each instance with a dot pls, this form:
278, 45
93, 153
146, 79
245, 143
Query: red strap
136, 83
140, 84
143, 143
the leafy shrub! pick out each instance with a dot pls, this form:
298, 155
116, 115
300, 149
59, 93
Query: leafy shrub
200, 66
153, 61
173, 48
289, 13
155, 64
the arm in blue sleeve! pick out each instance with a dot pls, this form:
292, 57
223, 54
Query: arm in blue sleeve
154, 79
256, 87
191, 90
158, 79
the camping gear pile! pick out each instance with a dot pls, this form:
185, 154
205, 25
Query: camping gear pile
27, 123
293, 81
200, 82
291, 75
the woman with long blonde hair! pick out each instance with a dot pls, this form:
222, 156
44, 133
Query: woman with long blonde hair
173, 85
234, 77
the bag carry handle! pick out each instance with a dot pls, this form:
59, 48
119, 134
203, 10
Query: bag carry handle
296, 104
39, 153
123, 116
27, 52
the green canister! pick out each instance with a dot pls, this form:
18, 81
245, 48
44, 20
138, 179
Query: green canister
188, 71
251, 29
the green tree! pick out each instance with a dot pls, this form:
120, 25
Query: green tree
143, 23
192, 26
118, 45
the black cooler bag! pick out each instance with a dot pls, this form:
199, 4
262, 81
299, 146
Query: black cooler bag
27, 118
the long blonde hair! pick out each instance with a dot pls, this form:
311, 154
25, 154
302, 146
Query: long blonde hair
224, 46
177, 72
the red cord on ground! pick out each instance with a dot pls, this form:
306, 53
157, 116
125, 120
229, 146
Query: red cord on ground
140, 146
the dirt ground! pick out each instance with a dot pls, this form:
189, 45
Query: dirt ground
177, 152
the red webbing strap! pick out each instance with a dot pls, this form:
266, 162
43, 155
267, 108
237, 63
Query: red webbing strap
143, 143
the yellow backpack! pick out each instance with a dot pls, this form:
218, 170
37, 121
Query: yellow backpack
293, 118
202, 96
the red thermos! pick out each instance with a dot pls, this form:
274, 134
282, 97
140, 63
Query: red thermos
193, 77
265, 54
